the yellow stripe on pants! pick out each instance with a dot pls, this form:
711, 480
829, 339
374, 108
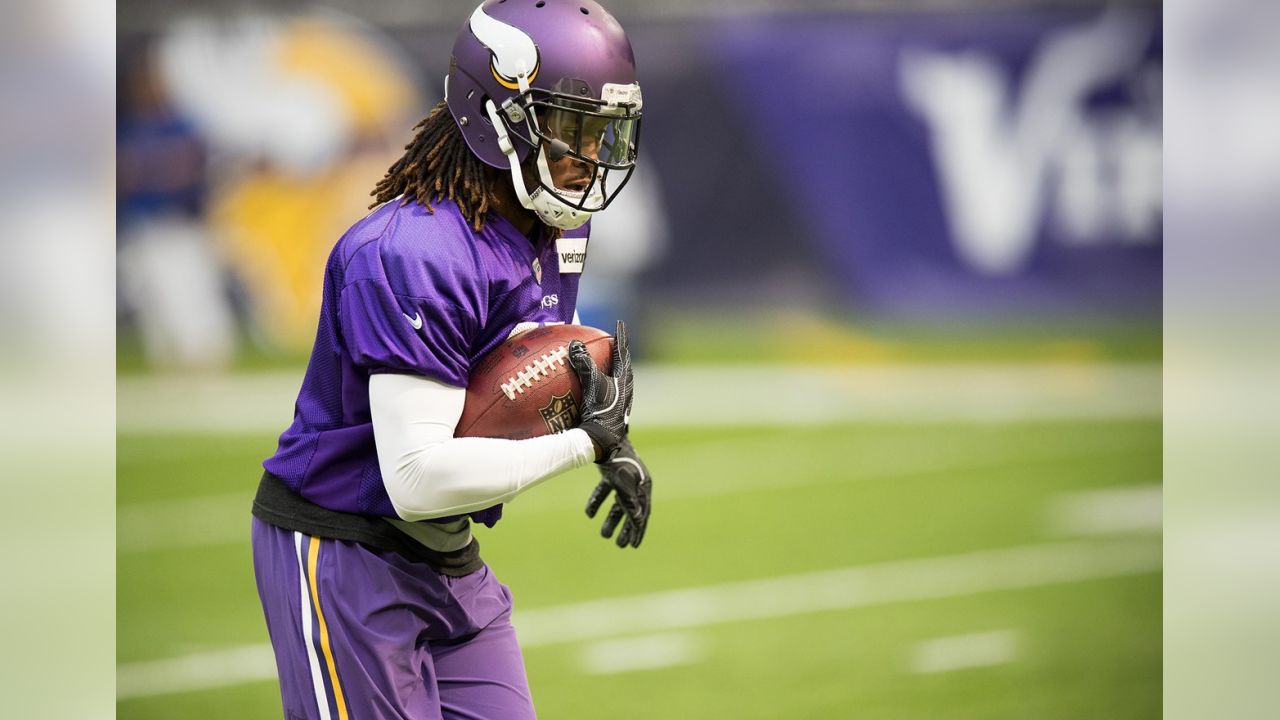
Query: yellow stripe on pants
313, 554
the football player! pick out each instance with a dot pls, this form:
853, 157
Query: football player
376, 599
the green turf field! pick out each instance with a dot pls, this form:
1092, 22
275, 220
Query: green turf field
1049, 638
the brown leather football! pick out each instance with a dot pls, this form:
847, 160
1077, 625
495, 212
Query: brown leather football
526, 387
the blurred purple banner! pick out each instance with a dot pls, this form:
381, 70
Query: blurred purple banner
970, 164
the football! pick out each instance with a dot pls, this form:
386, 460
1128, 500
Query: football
526, 387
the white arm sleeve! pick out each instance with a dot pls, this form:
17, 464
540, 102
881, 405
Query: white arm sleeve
429, 473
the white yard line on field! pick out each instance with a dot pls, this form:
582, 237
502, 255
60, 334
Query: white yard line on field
718, 395
1108, 510
198, 671
675, 610
879, 584
960, 652
648, 652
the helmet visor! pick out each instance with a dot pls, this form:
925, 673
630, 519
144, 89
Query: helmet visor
601, 138
601, 135
607, 139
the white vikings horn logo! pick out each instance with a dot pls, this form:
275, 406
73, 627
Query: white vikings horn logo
511, 50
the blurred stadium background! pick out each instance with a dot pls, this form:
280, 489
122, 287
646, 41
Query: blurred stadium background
894, 274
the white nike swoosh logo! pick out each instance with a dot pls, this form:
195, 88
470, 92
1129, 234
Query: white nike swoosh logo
415, 321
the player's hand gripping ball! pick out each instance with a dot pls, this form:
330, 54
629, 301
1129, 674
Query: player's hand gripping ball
526, 388
606, 393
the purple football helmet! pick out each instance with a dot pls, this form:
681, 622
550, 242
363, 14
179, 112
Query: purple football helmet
554, 78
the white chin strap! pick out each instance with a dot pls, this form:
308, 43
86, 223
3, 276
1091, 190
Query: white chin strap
549, 208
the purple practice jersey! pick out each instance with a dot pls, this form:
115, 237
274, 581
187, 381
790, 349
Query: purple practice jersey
406, 291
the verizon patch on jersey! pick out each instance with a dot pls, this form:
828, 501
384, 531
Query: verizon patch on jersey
572, 253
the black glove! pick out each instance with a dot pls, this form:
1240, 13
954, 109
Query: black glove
606, 399
627, 477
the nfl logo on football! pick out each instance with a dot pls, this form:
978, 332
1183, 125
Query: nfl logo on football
560, 414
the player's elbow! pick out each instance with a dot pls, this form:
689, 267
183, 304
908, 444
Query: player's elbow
420, 489
407, 487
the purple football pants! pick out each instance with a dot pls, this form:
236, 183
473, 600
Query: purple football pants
362, 634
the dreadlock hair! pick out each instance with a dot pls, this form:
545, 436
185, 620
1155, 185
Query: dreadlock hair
437, 165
